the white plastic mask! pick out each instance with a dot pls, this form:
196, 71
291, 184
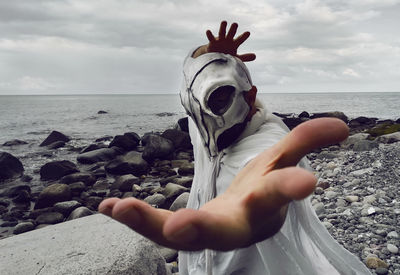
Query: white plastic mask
213, 96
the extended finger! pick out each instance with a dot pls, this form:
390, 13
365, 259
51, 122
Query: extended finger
241, 38
247, 57
310, 135
210, 36
232, 31
222, 30
141, 217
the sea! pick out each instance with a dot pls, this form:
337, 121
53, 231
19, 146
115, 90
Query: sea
31, 118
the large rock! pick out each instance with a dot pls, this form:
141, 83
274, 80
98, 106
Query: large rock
336, 114
53, 194
91, 245
180, 139
157, 147
128, 141
54, 137
103, 154
131, 163
10, 166
57, 169
183, 124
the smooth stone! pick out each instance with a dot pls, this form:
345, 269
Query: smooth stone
23, 227
392, 248
56, 145
130, 163
52, 194
180, 202
173, 190
155, 200
84, 177
50, 218
124, 183
101, 184
381, 271
66, 207
79, 213
393, 234
91, 245
102, 154
351, 198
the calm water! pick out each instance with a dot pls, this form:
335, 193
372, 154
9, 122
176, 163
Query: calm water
32, 118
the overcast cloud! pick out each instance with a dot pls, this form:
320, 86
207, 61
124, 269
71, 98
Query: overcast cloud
121, 46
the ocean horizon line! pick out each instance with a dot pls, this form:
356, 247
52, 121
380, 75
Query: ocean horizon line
164, 94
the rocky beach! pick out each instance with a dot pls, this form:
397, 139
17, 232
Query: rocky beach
356, 196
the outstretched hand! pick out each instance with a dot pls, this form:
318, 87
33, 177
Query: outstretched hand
252, 209
226, 43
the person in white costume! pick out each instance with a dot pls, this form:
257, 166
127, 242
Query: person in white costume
248, 210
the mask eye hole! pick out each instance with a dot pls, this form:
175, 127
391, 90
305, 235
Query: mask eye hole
221, 99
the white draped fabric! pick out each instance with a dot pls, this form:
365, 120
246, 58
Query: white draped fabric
302, 246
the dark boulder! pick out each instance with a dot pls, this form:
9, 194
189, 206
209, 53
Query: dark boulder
304, 114
53, 194
292, 122
103, 154
362, 120
57, 169
53, 137
336, 114
157, 147
101, 112
128, 141
183, 124
180, 139
92, 147
10, 166
14, 142
130, 163
85, 177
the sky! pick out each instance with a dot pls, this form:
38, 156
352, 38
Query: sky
122, 46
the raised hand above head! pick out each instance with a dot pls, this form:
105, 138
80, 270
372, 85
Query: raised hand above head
252, 209
226, 43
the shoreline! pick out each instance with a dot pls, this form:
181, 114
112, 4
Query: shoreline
128, 165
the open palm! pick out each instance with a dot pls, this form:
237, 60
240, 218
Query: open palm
252, 209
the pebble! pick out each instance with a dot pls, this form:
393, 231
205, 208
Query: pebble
351, 198
392, 248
